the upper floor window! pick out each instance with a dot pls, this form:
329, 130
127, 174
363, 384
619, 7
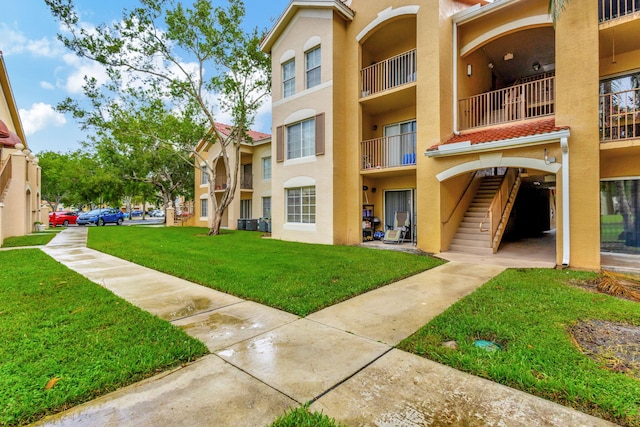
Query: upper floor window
301, 139
313, 63
266, 168
204, 177
288, 78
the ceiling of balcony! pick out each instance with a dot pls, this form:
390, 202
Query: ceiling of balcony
619, 36
527, 47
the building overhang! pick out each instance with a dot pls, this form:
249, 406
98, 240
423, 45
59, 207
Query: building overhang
465, 147
290, 12
480, 10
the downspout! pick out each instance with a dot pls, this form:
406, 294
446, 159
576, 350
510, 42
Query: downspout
566, 238
455, 78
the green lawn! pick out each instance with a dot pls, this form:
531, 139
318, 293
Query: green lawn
36, 239
301, 417
529, 313
295, 277
56, 327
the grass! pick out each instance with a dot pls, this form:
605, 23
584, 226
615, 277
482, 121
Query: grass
529, 312
295, 277
301, 417
36, 239
66, 340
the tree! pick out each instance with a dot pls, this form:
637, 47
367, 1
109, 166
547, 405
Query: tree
555, 8
56, 178
150, 47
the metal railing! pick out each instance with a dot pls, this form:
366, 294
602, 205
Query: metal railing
389, 151
528, 100
246, 181
388, 74
620, 115
613, 9
221, 182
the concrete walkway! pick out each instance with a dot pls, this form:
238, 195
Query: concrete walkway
264, 361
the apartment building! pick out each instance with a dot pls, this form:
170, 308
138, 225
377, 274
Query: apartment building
479, 121
19, 170
252, 198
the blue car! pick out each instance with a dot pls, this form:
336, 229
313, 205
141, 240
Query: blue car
101, 217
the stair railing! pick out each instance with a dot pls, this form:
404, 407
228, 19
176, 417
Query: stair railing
5, 177
461, 198
499, 203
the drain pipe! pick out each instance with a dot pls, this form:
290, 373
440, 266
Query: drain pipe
566, 235
455, 78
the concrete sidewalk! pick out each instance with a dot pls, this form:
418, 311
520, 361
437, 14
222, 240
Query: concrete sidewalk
264, 361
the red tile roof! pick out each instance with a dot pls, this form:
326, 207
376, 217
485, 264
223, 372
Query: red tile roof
226, 130
8, 138
518, 130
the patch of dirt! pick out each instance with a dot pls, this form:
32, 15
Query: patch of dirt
615, 345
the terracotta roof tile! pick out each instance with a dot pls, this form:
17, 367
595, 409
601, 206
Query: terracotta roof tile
513, 131
226, 130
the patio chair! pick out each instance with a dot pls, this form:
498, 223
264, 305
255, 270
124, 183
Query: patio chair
397, 232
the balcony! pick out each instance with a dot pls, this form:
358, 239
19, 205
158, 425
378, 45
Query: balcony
221, 183
389, 152
620, 115
534, 97
613, 9
388, 74
246, 181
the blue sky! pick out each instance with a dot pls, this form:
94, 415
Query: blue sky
42, 72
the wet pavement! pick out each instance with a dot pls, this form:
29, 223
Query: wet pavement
264, 361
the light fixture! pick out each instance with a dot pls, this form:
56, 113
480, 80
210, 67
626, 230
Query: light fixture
490, 65
468, 70
508, 56
535, 66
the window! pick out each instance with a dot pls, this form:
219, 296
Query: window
620, 216
301, 205
266, 168
266, 207
401, 143
313, 67
301, 139
204, 177
245, 209
288, 78
204, 208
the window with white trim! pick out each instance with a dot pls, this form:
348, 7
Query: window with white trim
266, 168
301, 139
288, 78
204, 177
313, 67
301, 205
204, 208
266, 207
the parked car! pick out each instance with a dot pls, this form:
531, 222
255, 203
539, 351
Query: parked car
62, 218
136, 213
157, 213
101, 217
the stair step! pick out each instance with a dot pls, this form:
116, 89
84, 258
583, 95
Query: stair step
472, 214
484, 237
473, 243
471, 250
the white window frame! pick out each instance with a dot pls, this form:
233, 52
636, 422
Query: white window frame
289, 78
266, 207
313, 67
204, 208
266, 168
204, 177
301, 205
305, 145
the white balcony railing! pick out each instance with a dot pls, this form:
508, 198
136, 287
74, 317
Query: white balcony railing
613, 9
389, 151
388, 74
620, 115
528, 100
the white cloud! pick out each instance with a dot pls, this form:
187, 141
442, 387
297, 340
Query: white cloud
47, 85
15, 42
81, 68
39, 117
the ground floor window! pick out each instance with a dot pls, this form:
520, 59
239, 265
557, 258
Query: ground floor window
266, 207
204, 208
620, 216
245, 209
301, 205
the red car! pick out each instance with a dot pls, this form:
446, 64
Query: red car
62, 218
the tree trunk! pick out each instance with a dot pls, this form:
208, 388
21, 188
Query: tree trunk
214, 229
634, 238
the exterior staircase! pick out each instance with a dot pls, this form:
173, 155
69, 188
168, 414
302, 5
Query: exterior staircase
469, 238
474, 234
